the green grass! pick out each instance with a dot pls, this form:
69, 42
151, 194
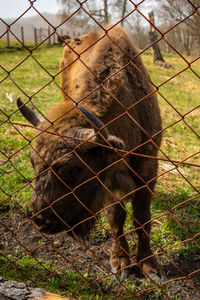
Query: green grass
175, 209
82, 285
29, 77
43, 275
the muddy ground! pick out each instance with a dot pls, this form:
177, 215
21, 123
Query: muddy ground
18, 237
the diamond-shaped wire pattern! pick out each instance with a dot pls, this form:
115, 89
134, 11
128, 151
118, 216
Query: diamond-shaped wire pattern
75, 266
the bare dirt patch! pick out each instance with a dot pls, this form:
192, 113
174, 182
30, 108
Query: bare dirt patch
19, 238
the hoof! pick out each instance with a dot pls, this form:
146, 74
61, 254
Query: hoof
154, 271
115, 272
158, 277
124, 274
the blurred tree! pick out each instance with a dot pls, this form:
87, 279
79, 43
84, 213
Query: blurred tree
106, 11
153, 36
188, 32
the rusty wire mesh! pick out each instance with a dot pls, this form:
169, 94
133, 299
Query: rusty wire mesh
90, 258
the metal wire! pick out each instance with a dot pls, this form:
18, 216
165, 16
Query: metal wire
9, 232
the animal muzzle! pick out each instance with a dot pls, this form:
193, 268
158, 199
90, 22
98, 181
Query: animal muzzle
45, 225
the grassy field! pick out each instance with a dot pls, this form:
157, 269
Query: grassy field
176, 207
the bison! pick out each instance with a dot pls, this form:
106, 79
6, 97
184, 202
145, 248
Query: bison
93, 151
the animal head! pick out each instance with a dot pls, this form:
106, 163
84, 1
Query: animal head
71, 165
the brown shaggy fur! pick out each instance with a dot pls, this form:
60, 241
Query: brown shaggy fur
96, 71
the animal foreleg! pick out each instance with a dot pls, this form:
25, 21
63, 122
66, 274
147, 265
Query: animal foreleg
119, 252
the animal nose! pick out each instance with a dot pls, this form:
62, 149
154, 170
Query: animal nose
41, 224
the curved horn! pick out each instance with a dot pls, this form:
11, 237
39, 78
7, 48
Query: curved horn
97, 123
28, 113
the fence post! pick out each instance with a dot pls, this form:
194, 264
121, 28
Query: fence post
22, 34
49, 32
8, 39
40, 34
35, 35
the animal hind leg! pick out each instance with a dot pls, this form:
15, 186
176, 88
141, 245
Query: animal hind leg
119, 252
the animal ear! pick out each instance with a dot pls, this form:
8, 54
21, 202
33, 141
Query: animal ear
87, 138
112, 141
28, 113
93, 136
84, 138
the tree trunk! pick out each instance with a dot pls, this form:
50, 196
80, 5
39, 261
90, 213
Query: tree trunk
106, 20
123, 11
157, 55
153, 36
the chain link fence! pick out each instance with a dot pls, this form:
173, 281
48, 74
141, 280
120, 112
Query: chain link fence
56, 257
